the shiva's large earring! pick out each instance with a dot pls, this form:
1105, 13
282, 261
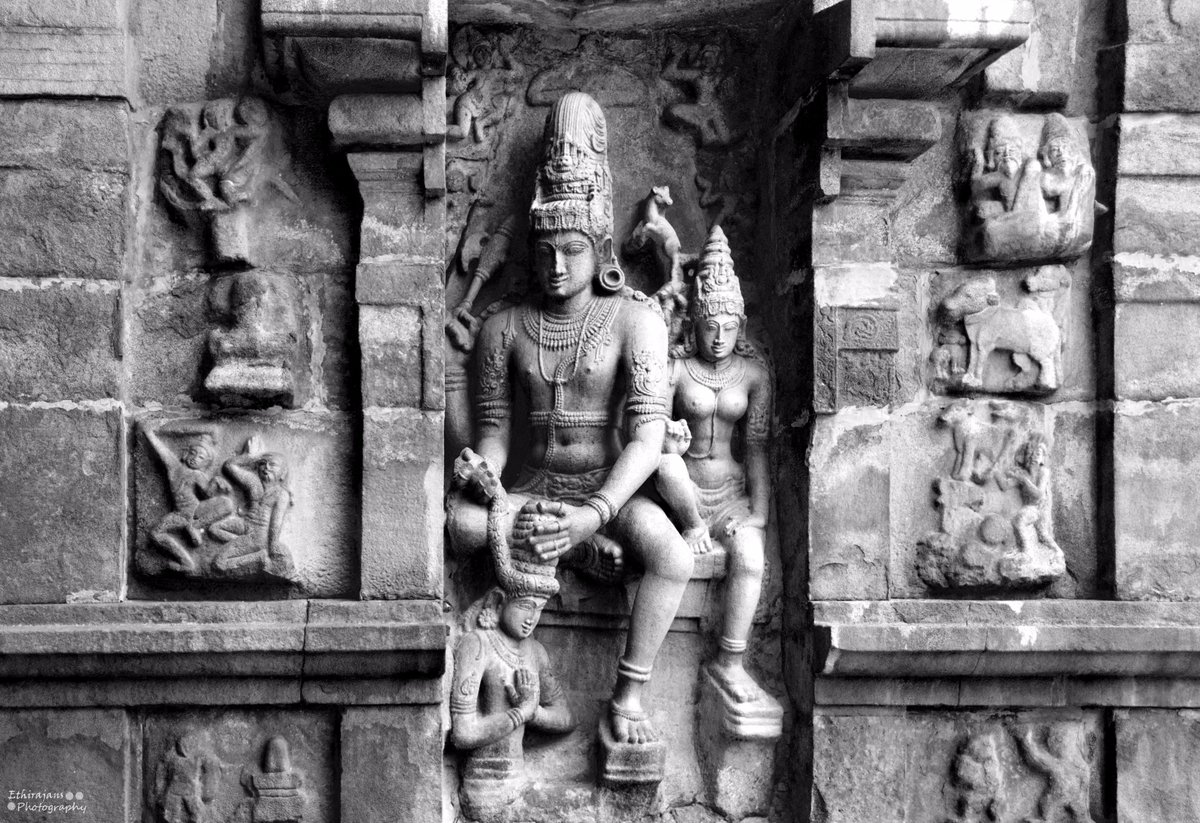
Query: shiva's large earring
610, 278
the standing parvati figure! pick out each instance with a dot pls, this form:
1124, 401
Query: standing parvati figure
722, 400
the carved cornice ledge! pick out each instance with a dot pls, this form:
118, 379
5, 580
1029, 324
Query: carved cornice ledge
284, 651
1006, 639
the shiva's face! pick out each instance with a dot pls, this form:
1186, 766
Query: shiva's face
565, 263
519, 615
270, 469
717, 335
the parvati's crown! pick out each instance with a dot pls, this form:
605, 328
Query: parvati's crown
573, 190
717, 290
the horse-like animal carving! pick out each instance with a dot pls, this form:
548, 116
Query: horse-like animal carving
1028, 331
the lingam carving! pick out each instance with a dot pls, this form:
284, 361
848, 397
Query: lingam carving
721, 393
215, 161
1031, 187
185, 781
974, 324
275, 790
696, 71
503, 681
254, 359
223, 524
583, 351
997, 531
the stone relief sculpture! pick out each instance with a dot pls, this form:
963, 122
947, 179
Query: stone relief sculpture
275, 791
696, 70
1031, 187
1059, 753
185, 781
996, 502
721, 392
254, 359
481, 84
215, 161
585, 70
977, 782
223, 524
582, 351
975, 323
503, 681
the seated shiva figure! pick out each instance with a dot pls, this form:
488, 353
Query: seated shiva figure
582, 351
722, 394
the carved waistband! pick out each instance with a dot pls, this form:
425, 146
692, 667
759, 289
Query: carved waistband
561, 419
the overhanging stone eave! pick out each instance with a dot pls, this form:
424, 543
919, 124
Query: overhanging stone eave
288, 639
976, 639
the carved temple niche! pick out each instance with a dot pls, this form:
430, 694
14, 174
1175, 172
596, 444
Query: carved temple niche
666, 153
965, 767
243, 507
257, 766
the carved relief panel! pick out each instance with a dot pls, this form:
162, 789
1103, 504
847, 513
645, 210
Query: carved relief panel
244, 500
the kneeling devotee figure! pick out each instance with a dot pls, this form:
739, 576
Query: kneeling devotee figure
589, 356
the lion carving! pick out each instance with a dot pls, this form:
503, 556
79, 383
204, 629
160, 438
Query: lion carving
1028, 331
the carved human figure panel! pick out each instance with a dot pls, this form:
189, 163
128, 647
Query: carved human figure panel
590, 358
226, 519
1031, 188
996, 503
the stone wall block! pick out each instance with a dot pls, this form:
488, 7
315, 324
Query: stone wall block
1157, 482
402, 504
62, 482
392, 764
1042, 70
1157, 215
1157, 755
59, 342
390, 339
63, 49
849, 512
397, 218
81, 757
1150, 365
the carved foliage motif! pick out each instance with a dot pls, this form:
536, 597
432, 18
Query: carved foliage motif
226, 517
996, 504
1031, 188
991, 340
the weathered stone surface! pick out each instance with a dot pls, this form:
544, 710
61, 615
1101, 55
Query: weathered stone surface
320, 529
1158, 216
66, 223
915, 768
848, 532
739, 773
1150, 365
62, 482
1156, 758
1155, 21
396, 218
402, 504
1156, 487
79, 760
1043, 69
1162, 77
397, 764
223, 752
1159, 145
43, 134
175, 49
67, 49
58, 342
390, 340
1154, 278
378, 120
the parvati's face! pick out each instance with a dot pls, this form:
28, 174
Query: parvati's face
1006, 155
519, 616
565, 263
1056, 153
717, 335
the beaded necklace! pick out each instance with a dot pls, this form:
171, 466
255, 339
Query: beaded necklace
506, 653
